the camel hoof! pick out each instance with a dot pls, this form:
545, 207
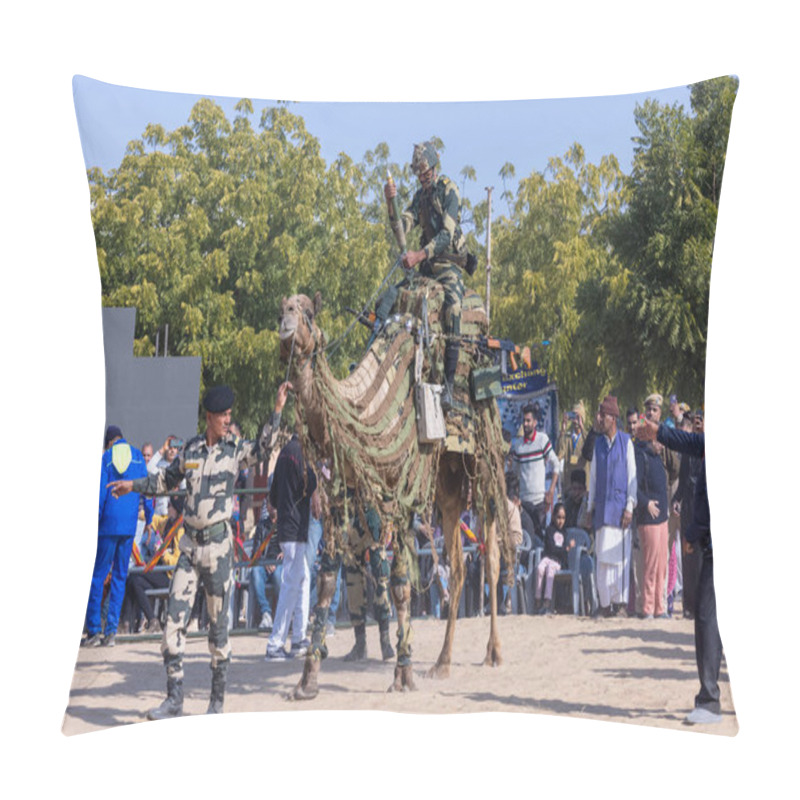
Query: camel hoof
403, 679
304, 692
308, 688
493, 660
440, 671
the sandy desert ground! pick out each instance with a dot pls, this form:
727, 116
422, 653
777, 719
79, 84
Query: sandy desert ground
641, 672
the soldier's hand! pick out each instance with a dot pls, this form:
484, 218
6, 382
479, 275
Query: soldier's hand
119, 488
389, 190
413, 257
283, 392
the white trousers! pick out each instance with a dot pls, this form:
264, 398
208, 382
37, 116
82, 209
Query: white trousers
293, 596
613, 550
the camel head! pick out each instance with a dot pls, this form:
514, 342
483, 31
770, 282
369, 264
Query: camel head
296, 324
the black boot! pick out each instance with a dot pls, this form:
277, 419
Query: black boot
218, 676
173, 705
450, 364
387, 651
359, 651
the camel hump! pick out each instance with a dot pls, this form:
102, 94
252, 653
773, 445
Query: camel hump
410, 301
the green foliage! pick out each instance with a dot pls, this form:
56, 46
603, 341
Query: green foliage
205, 228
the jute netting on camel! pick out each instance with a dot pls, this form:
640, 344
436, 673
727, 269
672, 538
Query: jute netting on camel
371, 437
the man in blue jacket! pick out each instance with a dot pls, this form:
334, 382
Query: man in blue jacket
116, 528
707, 642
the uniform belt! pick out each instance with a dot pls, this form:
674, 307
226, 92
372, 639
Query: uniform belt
213, 533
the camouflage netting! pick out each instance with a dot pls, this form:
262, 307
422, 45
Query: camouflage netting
371, 436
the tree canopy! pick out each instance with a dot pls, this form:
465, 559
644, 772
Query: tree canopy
205, 228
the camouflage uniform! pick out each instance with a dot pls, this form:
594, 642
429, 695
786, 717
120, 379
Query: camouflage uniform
369, 553
438, 212
206, 558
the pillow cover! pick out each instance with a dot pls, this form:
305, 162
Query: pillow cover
597, 216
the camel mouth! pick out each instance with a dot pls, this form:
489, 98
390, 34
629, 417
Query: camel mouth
288, 328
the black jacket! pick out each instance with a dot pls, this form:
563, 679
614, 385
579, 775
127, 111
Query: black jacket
693, 444
293, 483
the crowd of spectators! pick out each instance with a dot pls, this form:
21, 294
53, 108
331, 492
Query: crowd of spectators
549, 488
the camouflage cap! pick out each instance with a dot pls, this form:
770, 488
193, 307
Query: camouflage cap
424, 158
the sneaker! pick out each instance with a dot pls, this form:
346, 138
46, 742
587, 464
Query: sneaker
266, 622
330, 629
703, 716
299, 649
109, 640
92, 640
277, 654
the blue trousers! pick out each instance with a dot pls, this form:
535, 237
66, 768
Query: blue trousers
113, 553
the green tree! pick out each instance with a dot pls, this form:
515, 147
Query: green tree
550, 246
205, 229
664, 242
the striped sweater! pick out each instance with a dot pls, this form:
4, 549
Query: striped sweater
529, 459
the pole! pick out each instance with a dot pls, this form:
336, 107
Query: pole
166, 338
489, 255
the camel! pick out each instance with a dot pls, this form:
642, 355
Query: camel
366, 426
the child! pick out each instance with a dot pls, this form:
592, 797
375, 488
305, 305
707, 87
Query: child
554, 559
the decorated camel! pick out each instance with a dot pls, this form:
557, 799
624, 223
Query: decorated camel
366, 427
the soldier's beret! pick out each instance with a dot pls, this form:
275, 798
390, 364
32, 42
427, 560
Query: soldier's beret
218, 399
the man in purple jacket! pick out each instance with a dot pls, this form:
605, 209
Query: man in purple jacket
612, 498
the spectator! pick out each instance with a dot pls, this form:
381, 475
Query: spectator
683, 505
708, 645
115, 531
575, 499
556, 549
612, 498
631, 418
651, 518
530, 455
137, 600
263, 576
293, 484
571, 441
160, 461
515, 532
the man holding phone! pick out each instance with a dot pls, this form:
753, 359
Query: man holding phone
209, 463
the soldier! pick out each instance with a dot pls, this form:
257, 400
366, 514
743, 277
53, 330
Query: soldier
436, 208
369, 552
210, 464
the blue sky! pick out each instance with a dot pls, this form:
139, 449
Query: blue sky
484, 135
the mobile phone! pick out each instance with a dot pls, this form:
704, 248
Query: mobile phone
571, 415
175, 442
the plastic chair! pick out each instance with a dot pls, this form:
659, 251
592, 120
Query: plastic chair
575, 559
522, 571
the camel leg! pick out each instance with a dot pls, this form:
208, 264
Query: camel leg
308, 688
451, 513
493, 658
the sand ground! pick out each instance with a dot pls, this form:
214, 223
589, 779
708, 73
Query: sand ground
621, 670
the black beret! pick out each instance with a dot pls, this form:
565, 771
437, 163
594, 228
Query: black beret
218, 399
